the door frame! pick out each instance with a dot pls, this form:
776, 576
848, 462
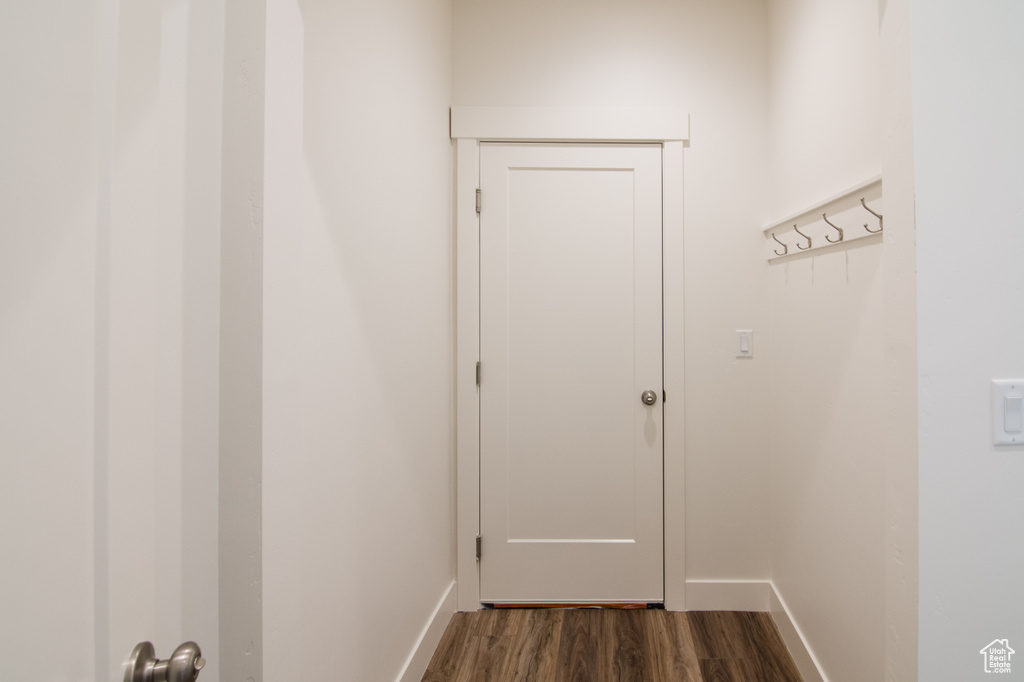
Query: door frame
469, 127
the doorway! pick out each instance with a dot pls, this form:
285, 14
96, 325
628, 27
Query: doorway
571, 351
473, 129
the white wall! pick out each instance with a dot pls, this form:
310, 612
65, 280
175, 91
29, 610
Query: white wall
709, 58
828, 338
109, 214
824, 92
827, 470
358, 335
969, 170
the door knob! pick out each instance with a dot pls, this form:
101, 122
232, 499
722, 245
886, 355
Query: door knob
649, 397
183, 665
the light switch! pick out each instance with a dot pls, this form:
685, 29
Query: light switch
1013, 414
744, 343
1008, 411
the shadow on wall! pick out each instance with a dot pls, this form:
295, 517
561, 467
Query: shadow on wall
364, 338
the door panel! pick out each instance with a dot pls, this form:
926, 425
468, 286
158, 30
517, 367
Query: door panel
109, 294
571, 460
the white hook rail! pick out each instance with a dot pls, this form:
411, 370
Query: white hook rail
816, 227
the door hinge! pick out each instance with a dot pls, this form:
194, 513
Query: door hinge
478, 373
478, 201
477, 546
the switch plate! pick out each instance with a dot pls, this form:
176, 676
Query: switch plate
1008, 411
744, 343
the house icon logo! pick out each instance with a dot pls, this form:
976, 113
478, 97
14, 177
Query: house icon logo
997, 656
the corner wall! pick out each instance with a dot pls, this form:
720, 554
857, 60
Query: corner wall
827, 349
358, 464
708, 58
825, 113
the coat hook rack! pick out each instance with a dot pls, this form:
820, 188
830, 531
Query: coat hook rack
877, 215
784, 246
812, 228
809, 242
834, 227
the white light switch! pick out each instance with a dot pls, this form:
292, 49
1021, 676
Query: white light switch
744, 343
1008, 411
1013, 414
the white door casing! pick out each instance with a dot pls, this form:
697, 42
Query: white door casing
469, 127
570, 336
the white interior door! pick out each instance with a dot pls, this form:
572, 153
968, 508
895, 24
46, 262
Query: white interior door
570, 337
109, 332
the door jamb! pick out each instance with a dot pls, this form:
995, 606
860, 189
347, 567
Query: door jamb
469, 127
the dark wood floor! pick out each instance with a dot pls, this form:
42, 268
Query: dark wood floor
611, 645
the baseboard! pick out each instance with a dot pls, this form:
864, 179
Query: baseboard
756, 595
728, 595
701, 595
424, 648
802, 655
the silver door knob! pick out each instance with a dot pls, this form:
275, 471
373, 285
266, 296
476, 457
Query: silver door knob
183, 665
649, 397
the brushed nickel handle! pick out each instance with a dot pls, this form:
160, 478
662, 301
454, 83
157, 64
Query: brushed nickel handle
648, 397
183, 665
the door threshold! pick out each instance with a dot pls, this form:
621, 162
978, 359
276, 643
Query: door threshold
578, 605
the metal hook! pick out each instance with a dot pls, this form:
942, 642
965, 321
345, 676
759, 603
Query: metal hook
877, 215
784, 246
809, 242
835, 227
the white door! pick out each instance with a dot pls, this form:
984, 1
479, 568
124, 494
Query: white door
109, 332
570, 337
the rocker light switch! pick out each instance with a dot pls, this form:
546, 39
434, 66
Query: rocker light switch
1008, 411
744, 343
1013, 414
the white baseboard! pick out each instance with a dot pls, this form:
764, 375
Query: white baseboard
728, 595
802, 655
701, 595
756, 595
424, 648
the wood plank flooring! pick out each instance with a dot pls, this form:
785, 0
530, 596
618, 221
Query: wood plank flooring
611, 645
